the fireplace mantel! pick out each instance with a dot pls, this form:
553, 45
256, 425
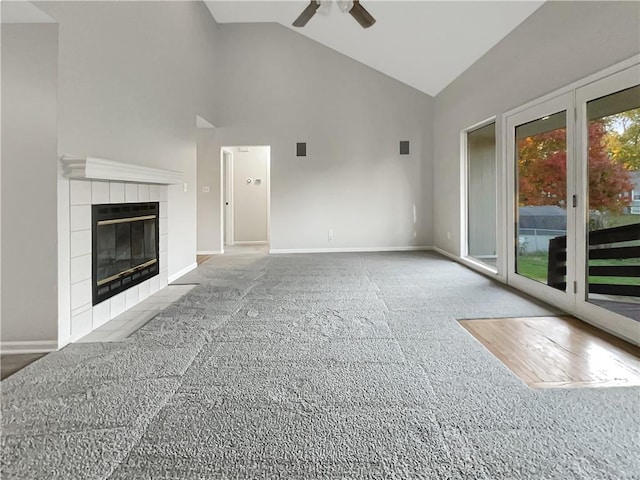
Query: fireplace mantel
93, 168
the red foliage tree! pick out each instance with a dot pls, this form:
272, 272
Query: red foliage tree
542, 175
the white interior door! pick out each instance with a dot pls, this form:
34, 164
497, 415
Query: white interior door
227, 165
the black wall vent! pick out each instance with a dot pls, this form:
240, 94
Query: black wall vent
301, 149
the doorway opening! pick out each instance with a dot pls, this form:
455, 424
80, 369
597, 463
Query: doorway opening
245, 198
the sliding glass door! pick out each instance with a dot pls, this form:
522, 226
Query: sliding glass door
608, 253
481, 195
573, 177
541, 191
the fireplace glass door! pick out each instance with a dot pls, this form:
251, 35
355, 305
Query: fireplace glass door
125, 247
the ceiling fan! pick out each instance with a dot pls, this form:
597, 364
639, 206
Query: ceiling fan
356, 10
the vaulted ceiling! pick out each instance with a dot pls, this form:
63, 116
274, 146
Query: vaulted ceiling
425, 44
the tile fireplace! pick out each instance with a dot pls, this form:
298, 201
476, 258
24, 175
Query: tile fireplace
107, 275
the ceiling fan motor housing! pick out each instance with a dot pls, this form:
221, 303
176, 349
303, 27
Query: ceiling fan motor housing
345, 5
353, 7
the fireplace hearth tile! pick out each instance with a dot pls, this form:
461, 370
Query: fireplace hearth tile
83, 195
164, 240
143, 291
80, 268
101, 313
158, 193
131, 320
80, 217
154, 284
99, 192
163, 278
82, 321
80, 294
151, 306
117, 304
131, 192
163, 225
131, 297
80, 192
143, 193
80, 243
164, 209
127, 318
116, 192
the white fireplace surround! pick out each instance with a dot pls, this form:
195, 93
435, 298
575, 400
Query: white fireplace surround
99, 181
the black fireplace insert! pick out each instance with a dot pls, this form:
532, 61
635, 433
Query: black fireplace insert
125, 249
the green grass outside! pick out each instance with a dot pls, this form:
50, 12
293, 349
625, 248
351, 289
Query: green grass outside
620, 220
534, 266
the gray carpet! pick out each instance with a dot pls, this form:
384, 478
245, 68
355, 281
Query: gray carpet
332, 366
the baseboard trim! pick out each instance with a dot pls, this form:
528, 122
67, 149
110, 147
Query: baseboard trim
182, 272
349, 249
39, 346
251, 243
444, 253
476, 267
209, 252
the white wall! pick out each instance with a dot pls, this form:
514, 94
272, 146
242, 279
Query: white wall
250, 200
132, 78
208, 204
557, 45
29, 155
278, 88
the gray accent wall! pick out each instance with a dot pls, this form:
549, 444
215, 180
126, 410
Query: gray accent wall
278, 88
29, 153
558, 44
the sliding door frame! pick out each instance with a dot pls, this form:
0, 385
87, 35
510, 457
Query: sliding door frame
599, 316
464, 201
575, 97
561, 103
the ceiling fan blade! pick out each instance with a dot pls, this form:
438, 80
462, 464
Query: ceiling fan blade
361, 15
306, 15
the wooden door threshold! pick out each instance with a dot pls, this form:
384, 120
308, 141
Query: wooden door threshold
558, 352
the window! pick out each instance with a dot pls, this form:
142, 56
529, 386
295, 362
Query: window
481, 194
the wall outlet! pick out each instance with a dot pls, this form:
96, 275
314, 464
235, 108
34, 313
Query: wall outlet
330, 236
448, 235
206, 189
185, 188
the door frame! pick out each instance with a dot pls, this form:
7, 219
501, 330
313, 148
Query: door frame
599, 316
464, 200
226, 195
565, 300
608, 321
